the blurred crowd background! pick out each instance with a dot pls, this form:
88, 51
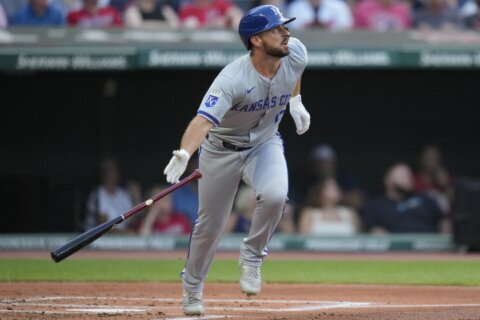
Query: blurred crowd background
415, 199
373, 162
333, 15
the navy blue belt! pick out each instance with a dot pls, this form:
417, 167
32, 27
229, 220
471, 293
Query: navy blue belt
234, 147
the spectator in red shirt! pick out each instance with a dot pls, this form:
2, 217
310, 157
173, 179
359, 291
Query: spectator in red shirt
382, 15
433, 178
162, 219
94, 16
210, 14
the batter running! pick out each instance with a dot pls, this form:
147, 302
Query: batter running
236, 126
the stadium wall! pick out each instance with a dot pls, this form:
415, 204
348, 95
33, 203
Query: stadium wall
55, 128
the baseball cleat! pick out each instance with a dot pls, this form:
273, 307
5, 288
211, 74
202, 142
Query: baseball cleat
250, 280
192, 303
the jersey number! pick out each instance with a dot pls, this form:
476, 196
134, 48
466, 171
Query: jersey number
279, 115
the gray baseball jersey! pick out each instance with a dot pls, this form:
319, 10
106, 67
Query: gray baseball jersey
247, 107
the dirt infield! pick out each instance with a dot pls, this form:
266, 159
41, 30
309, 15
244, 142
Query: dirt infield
119, 301
224, 301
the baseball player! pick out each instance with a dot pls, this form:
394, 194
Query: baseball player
236, 129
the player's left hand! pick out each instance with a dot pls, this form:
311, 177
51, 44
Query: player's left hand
177, 165
299, 114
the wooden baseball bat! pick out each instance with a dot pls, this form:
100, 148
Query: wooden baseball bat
93, 234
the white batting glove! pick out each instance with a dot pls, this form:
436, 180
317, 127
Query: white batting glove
177, 165
299, 114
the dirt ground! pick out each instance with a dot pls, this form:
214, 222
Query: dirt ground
224, 301
119, 301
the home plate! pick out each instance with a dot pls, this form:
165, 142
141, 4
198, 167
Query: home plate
107, 310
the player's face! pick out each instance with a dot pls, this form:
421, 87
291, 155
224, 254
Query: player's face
275, 41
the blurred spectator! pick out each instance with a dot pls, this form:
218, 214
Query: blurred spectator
323, 215
281, 4
185, 199
324, 166
467, 8
108, 200
324, 162
472, 21
400, 210
210, 14
162, 219
67, 6
120, 5
382, 15
3, 17
92, 15
134, 189
433, 178
151, 14
12, 6
37, 13
243, 208
437, 15
333, 15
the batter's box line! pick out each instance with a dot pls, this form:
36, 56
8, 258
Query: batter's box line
75, 305
103, 308
201, 318
53, 298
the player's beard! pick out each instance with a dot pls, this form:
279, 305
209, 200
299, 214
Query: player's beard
276, 52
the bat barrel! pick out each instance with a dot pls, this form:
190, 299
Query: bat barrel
83, 240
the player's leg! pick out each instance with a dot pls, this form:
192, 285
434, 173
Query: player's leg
266, 172
221, 172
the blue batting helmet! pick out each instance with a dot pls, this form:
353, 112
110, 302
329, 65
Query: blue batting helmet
259, 19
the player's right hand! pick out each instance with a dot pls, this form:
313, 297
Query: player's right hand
177, 165
300, 115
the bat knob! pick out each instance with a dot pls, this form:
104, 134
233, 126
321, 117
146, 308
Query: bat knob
198, 173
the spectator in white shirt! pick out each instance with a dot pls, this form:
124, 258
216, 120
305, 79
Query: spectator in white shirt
332, 15
108, 200
3, 17
323, 214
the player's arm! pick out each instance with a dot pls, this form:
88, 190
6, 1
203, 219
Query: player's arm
300, 115
192, 139
216, 102
195, 133
296, 90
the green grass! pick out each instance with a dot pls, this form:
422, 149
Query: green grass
465, 273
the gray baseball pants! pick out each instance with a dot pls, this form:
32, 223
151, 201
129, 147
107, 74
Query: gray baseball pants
263, 168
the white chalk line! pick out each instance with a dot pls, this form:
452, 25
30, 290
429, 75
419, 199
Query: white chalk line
304, 306
108, 310
200, 318
291, 309
74, 305
320, 305
52, 298
456, 305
